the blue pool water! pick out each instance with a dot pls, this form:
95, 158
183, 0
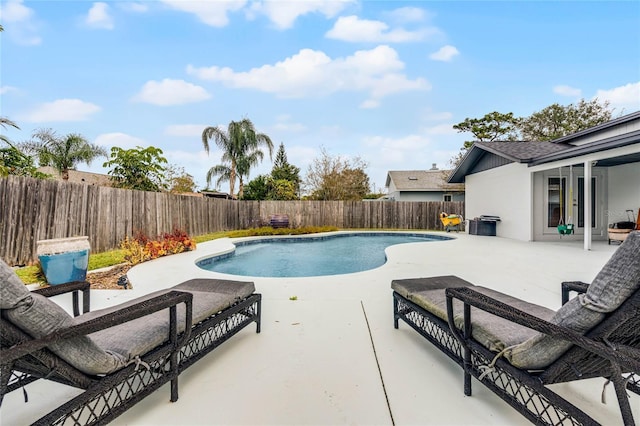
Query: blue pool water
310, 256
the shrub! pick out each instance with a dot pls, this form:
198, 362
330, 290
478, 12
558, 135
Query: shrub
141, 248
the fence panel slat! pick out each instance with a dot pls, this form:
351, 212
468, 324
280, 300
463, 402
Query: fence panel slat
32, 209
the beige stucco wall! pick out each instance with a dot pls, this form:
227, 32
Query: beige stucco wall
624, 191
506, 192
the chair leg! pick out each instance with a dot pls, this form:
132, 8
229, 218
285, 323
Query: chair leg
5, 376
258, 315
395, 313
468, 365
620, 385
174, 389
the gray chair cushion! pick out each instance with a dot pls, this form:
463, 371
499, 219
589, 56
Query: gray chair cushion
12, 289
618, 279
109, 350
38, 316
489, 330
137, 337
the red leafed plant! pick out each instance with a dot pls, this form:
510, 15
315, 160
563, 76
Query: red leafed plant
141, 248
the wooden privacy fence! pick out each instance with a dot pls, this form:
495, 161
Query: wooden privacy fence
35, 209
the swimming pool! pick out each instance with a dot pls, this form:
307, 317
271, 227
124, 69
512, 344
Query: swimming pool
311, 255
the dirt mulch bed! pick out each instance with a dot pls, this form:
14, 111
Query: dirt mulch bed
108, 280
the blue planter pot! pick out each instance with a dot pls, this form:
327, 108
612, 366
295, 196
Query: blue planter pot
64, 260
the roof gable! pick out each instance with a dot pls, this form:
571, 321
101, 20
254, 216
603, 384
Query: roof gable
420, 180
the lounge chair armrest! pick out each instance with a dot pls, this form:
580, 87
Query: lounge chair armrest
74, 287
625, 356
569, 286
167, 300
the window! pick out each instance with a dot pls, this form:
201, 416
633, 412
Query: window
447, 197
556, 197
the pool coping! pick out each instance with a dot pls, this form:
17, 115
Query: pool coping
323, 236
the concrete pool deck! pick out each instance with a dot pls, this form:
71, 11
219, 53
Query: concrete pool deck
332, 357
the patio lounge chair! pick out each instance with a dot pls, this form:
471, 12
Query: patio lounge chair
517, 349
118, 355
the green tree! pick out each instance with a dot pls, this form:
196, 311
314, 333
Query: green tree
257, 188
494, 126
282, 189
335, 178
283, 170
15, 162
556, 121
178, 180
137, 168
240, 145
62, 153
5, 122
265, 187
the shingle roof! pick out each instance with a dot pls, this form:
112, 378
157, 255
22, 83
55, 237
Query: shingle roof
534, 153
421, 180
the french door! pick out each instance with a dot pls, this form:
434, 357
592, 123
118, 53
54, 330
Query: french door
565, 202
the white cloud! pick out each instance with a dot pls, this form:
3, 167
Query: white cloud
19, 22
62, 110
353, 29
311, 73
444, 54
171, 92
213, 13
7, 89
134, 7
196, 163
437, 116
283, 14
285, 124
567, 91
370, 104
15, 11
409, 14
121, 140
441, 129
98, 17
626, 98
186, 130
396, 152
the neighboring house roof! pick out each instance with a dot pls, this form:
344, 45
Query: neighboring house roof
216, 194
421, 180
487, 155
76, 176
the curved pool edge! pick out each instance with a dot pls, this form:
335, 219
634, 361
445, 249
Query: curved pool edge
171, 270
241, 241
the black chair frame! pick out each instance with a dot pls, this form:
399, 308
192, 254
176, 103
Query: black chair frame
610, 350
24, 359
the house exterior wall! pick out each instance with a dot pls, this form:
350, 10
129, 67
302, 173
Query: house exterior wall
392, 190
424, 196
506, 192
624, 192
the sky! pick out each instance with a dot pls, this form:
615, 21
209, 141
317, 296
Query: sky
384, 81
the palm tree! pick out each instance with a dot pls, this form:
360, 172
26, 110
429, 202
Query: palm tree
64, 153
4, 122
241, 151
